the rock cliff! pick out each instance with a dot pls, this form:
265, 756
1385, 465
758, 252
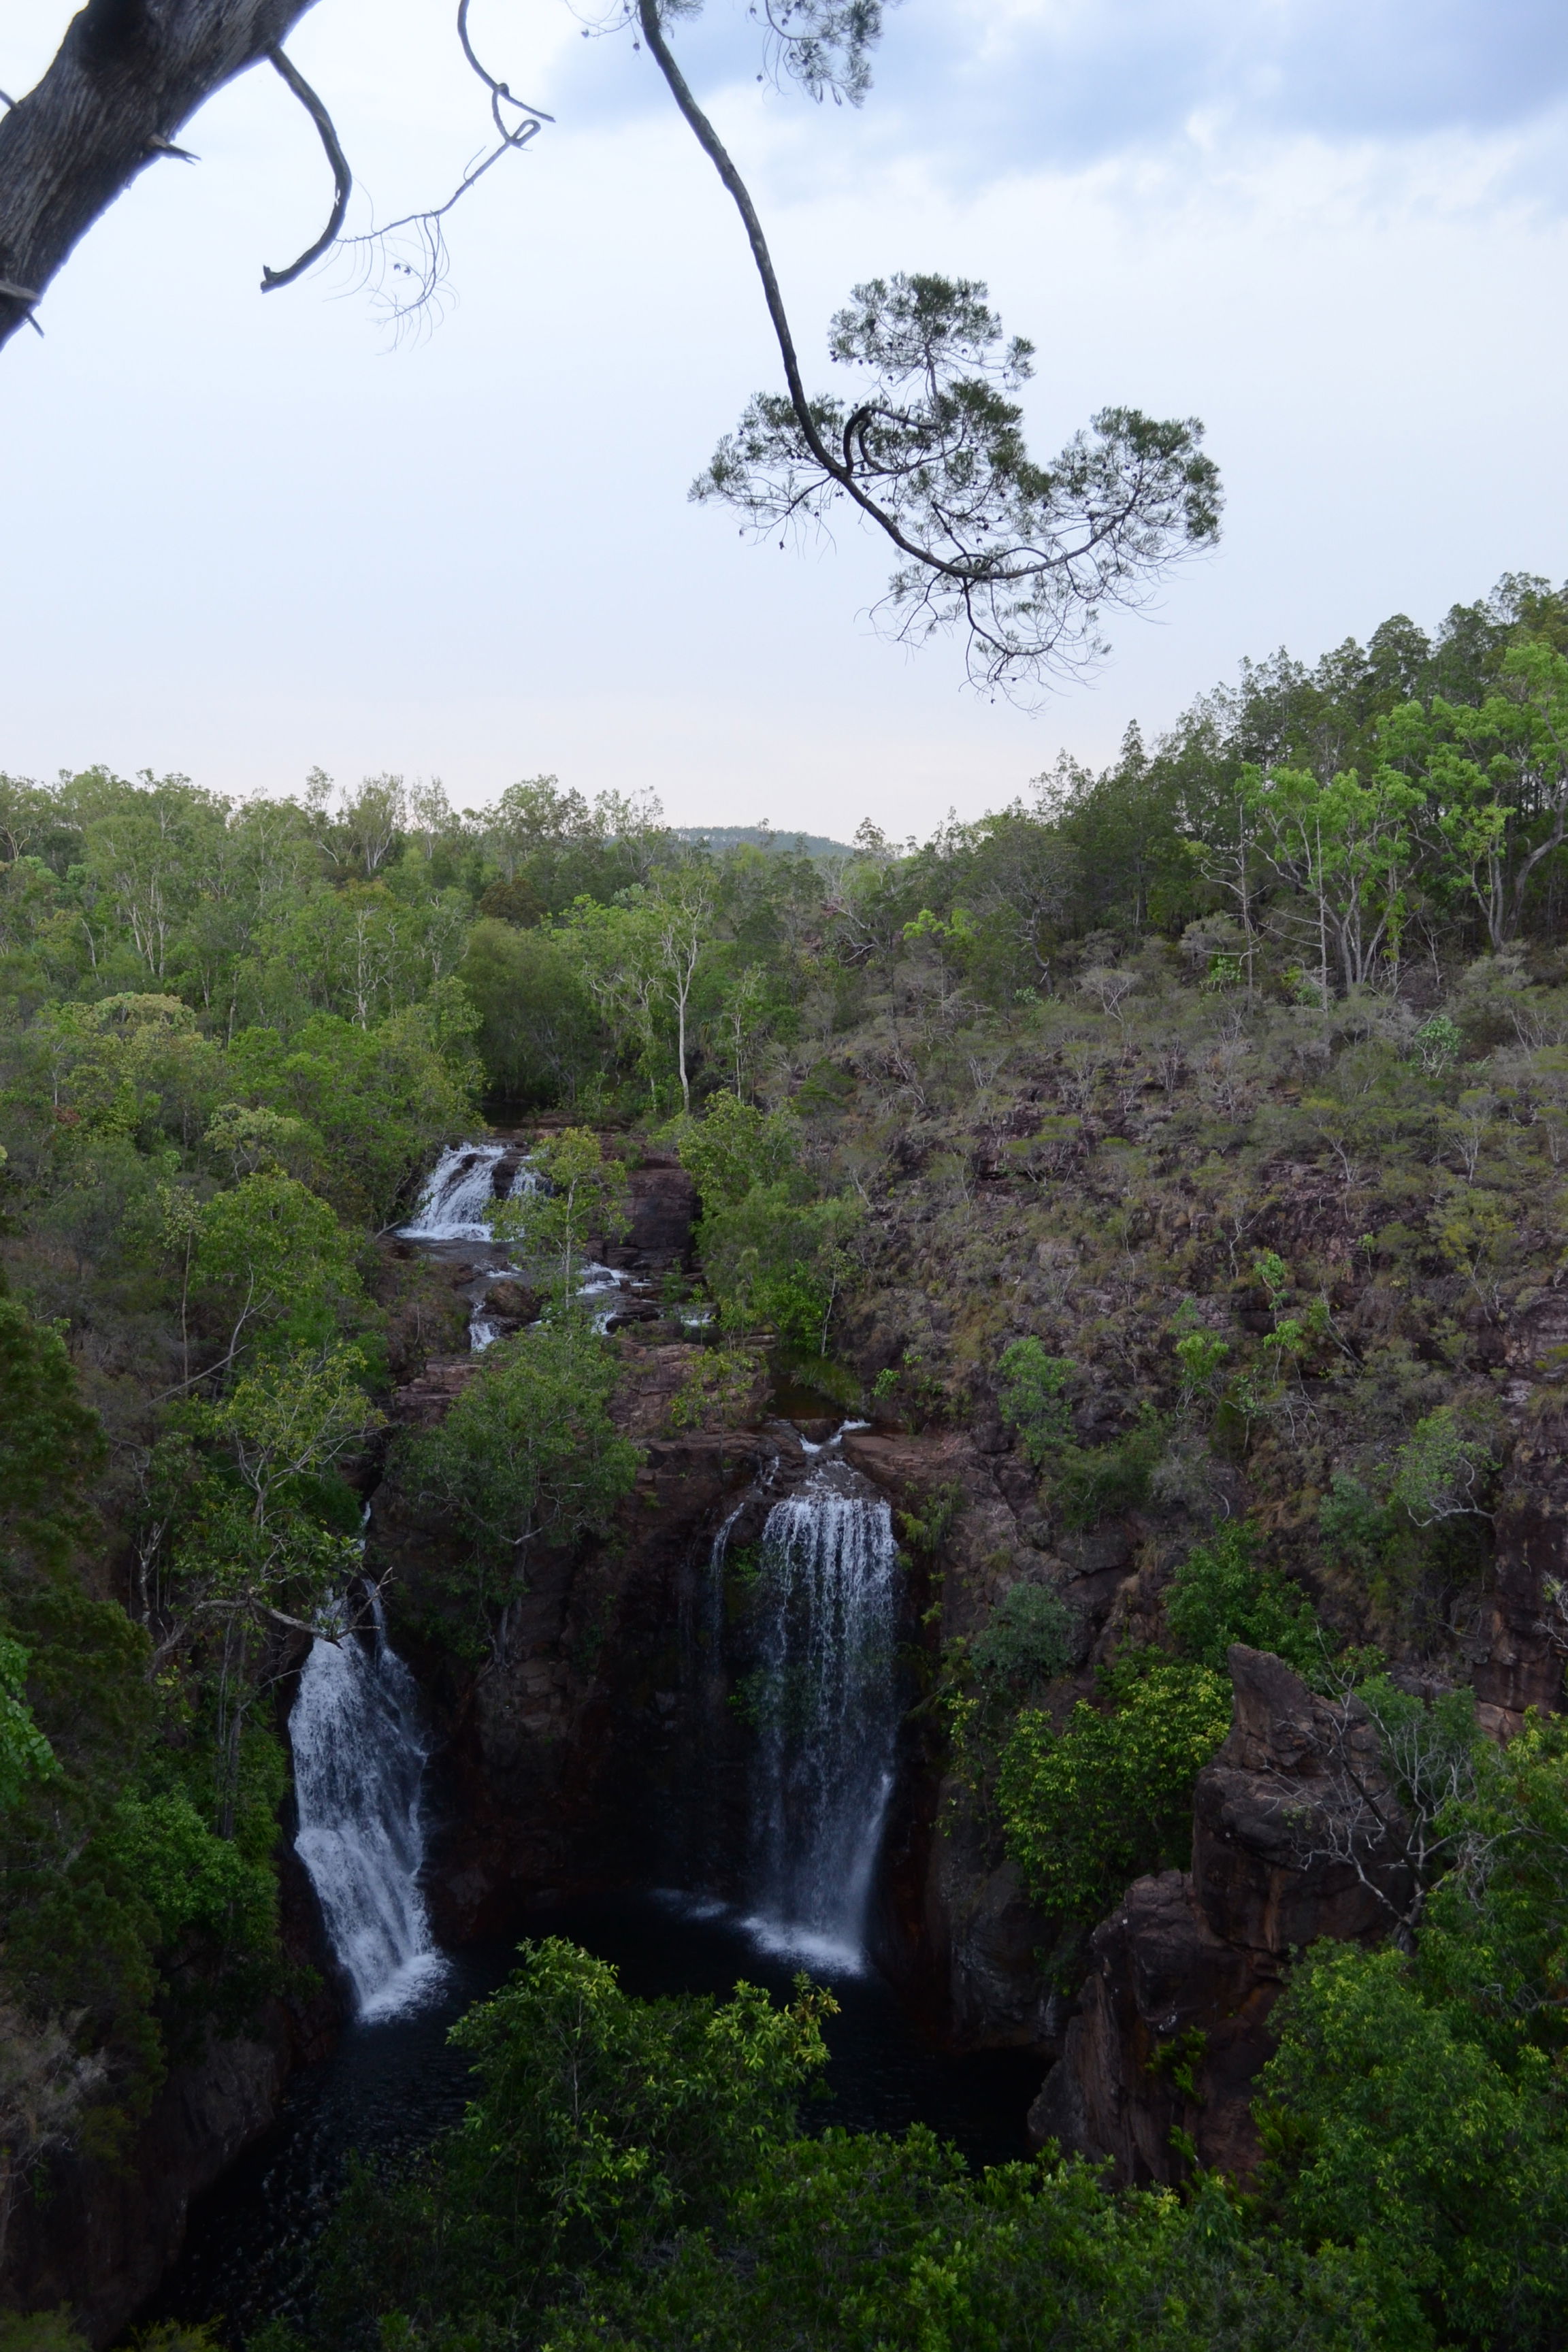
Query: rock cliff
1172, 2026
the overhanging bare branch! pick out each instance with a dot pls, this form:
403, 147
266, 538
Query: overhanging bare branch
343, 176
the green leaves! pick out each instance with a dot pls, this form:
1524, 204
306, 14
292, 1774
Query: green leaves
1029, 1638
1032, 1398
1019, 559
579, 1194
631, 2174
774, 1258
273, 1263
1441, 1469
1108, 1797
601, 2128
734, 1146
26, 1756
1388, 2130
1217, 1596
527, 1455
49, 1442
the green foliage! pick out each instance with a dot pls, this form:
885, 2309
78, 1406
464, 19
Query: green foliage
539, 1037
377, 1101
1355, 1526
579, 1194
272, 1265
1032, 1398
1200, 1355
25, 1755
40, 2331
632, 2173
926, 1524
1030, 1637
601, 2126
936, 449
1440, 1472
1091, 1484
777, 1263
734, 1146
1086, 1484
1438, 1042
718, 1385
1390, 2131
528, 1456
774, 1258
1218, 1596
1109, 1796
49, 1442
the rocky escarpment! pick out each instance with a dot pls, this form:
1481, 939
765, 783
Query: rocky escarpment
98, 2232
563, 1764
1291, 1842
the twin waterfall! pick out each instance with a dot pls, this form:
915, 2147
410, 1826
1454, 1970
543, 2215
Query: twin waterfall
825, 1704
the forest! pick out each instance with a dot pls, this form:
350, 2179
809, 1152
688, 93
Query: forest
1196, 1130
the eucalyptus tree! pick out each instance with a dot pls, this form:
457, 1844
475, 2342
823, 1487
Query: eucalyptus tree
1017, 558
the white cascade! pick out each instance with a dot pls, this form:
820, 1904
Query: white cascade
826, 1702
360, 1749
457, 1193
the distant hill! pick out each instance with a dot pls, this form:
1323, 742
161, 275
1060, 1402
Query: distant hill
730, 836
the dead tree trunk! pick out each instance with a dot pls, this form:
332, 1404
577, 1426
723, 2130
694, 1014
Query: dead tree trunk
128, 75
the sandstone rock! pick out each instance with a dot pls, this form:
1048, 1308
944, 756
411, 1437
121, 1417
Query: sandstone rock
662, 1200
1521, 1662
1174, 2024
428, 1400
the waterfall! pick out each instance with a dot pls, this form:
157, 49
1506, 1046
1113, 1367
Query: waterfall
458, 1192
359, 1763
825, 1704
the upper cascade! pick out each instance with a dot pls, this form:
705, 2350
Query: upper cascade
459, 1190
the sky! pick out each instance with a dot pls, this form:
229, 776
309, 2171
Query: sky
244, 536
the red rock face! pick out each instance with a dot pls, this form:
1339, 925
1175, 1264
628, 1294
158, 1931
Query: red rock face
662, 1200
1522, 1663
1187, 1968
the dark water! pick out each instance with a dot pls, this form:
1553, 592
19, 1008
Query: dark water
388, 2088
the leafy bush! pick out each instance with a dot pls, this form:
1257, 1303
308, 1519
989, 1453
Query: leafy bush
1218, 1596
631, 2178
527, 1456
602, 2126
734, 1146
1032, 1398
539, 1037
1389, 2129
1355, 1526
1440, 1472
1095, 1483
1031, 1636
1110, 1796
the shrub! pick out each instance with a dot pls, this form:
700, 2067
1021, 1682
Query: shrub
1031, 1637
1032, 1398
1110, 1796
1217, 1596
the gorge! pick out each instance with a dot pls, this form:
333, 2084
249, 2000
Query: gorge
1038, 1501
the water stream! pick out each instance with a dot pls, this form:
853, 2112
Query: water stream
825, 1706
823, 1702
459, 1190
360, 1749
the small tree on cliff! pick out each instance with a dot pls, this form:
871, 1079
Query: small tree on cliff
573, 1194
